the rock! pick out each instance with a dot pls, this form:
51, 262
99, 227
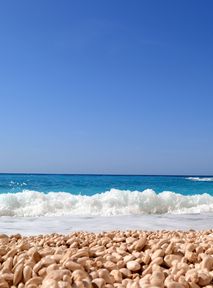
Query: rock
169, 259
98, 283
133, 266
207, 262
139, 245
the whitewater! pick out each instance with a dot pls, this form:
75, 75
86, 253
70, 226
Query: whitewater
33, 204
110, 203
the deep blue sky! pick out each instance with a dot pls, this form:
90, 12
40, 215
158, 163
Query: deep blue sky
106, 86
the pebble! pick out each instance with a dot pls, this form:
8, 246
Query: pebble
122, 259
133, 266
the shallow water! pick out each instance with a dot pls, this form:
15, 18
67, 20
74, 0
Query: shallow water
92, 184
33, 204
66, 225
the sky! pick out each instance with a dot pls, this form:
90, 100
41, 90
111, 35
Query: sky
118, 87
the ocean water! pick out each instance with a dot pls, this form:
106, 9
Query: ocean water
38, 203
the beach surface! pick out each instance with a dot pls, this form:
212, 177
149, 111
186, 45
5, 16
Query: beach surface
132, 259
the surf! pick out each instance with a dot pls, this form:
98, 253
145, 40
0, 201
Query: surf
109, 203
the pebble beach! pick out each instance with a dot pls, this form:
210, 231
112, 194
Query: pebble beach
123, 259
106, 149
159, 231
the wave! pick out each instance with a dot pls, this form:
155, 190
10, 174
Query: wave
113, 202
204, 179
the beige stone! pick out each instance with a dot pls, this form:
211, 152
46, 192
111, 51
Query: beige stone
133, 266
139, 245
18, 274
34, 281
169, 259
98, 283
207, 262
175, 285
117, 275
72, 266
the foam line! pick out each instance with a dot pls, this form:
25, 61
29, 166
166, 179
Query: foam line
113, 202
201, 179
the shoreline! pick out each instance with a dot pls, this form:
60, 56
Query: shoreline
67, 224
131, 259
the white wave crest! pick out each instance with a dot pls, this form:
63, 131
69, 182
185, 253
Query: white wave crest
201, 179
113, 202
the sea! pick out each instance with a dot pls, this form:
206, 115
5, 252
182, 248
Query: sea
32, 204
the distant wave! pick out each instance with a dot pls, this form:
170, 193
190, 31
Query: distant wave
113, 202
201, 179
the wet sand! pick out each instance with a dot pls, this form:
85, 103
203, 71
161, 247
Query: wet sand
131, 259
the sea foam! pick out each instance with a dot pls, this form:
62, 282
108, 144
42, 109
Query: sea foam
201, 179
113, 202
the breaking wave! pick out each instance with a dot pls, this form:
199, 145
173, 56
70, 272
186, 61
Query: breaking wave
113, 202
201, 179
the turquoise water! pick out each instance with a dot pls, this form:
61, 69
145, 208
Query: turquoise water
28, 195
92, 184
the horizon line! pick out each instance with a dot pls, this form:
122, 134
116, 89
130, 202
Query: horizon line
105, 174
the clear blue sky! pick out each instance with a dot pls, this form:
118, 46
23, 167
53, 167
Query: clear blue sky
106, 86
